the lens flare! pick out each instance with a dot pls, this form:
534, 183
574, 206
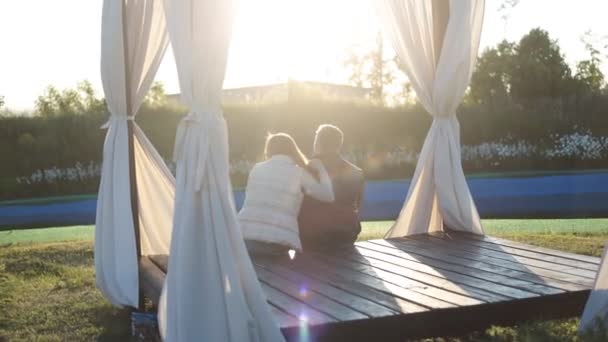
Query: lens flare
303, 291
304, 333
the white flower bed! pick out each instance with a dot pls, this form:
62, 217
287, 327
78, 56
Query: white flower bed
499, 150
80, 172
579, 145
397, 156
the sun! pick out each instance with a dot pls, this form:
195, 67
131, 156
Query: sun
276, 40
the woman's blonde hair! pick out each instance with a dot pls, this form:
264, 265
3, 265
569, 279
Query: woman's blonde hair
283, 143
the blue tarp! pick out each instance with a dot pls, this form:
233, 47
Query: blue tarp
570, 195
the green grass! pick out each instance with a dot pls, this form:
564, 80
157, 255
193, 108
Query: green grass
532, 173
47, 288
38, 235
47, 293
515, 227
48, 200
371, 230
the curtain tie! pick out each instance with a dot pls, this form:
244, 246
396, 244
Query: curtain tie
443, 121
205, 124
117, 118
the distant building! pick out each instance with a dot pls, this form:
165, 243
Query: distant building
289, 91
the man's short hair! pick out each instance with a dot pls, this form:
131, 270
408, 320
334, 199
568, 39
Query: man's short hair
329, 137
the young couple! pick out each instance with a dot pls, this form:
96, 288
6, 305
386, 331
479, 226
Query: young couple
295, 203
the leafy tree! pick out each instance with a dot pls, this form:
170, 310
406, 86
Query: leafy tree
1, 101
371, 69
54, 102
533, 70
91, 102
378, 76
355, 63
491, 81
79, 100
588, 72
540, 69
590, 75
156, 96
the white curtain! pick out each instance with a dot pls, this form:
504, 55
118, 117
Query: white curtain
156, 194
596, 308
211, 292
126, 77
437, 43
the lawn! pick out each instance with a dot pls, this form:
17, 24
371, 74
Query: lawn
577, 229
582, 236
47, 282
80, 233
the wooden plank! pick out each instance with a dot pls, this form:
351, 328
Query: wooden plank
511, 264
419, 301
347, 282
582, 273
431, 277
162, 261
409, 244
455, 321
151, 279
372, 294
493, 282
559, 260
313, 299
280, 300
541, 273
387, 283
384, 297
306, 283
282, 318
294, 307
542, 250
448, 255
515, 258
418, 292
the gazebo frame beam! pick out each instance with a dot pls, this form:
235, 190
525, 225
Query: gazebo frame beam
132, 166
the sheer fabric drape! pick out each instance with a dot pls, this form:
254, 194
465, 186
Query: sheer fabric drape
437, 43
211, 292
126, 77
596, 309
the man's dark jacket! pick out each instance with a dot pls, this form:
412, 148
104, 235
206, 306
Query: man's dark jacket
324, 225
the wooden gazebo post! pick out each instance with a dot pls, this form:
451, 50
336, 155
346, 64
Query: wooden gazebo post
131, 134
441, 16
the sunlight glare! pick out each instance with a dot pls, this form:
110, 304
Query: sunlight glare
277, 40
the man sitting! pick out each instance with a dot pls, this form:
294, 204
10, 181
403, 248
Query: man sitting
325, 225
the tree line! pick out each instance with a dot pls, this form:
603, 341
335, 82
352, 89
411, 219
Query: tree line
520, 92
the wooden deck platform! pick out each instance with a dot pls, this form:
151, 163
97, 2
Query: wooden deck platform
429, 285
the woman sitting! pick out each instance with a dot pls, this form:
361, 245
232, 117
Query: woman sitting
275, 188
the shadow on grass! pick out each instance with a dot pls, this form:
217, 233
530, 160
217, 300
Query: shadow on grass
47, 292
71, 254
114, 323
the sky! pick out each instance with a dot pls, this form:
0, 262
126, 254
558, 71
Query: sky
57, 42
